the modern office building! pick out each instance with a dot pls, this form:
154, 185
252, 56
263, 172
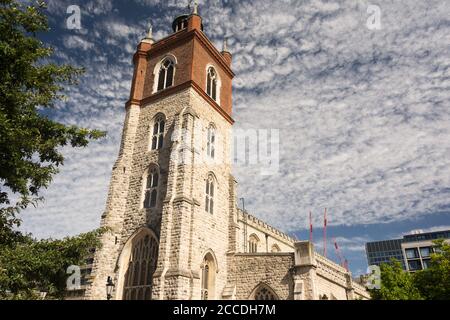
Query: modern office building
418, 247
379, 252
413, 250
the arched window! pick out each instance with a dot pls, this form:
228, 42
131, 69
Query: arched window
140, 268
209, 270
253, 241
211, 83
209, 198
205, 278
182, 24
166, 74
275, 248
151, 188
210, 147
263, 292
158, 132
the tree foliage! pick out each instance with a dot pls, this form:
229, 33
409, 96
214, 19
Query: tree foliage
30, 84
32, 266
434, 282
396, 284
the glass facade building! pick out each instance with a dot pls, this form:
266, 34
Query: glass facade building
413, 250
383, 251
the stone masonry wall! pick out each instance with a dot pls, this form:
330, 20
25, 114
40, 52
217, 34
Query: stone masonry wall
247, 271
329, 288
105, 258
188, 231
210, 232
335, 281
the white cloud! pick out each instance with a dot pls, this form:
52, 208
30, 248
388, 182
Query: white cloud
77, 42
118, 29
356, 244
88, 8
363, 114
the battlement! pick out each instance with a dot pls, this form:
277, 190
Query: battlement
264, 227
331, 270
329, 263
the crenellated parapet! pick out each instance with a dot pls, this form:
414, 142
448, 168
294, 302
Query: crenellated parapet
331, 270
256, 223
316, 277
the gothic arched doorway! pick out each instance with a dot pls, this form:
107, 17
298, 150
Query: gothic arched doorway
208, 278
138, 263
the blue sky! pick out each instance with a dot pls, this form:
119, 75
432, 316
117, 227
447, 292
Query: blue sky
364, 114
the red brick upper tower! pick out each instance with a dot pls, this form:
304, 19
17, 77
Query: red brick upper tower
193, 55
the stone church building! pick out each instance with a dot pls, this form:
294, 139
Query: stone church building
175, 231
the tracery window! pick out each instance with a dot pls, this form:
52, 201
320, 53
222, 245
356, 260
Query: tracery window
264, 293
166, 74
253, 244
209, 197
141, 266
211, 83
158, 132
151, 188
208, 277
205, 277
211, 143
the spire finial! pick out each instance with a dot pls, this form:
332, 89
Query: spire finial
149, 37
150, 31
195, 7
225, 44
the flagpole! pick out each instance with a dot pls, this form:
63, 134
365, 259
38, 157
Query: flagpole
325, 234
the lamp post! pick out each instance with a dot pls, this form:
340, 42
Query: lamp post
109, 288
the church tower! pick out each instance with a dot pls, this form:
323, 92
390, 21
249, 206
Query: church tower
170, 212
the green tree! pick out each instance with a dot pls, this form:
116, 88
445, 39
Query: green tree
434, 282
396, 284
31, 266
30, 143
30, 84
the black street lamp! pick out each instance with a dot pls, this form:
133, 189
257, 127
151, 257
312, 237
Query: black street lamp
109, 288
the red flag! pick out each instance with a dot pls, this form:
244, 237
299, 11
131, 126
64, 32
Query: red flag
310, 227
